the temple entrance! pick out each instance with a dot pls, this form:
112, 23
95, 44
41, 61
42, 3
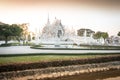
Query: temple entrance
59, 34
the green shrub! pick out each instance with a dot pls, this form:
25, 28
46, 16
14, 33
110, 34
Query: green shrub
5, 45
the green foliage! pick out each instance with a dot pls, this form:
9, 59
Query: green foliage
10, 30
99, 34
105, 35
16, 30
5, 30
36, 62
42, 58
118, 34
29, 37
80, 32
5, 45
10, 44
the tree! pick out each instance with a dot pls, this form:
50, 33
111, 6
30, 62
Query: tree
118, 34
29, 37
9, 30
25, 32
105, 35
5, 31
16, 31
80, 32
99, 34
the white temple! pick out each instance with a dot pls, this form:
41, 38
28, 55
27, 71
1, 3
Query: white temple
54, 30
56, 34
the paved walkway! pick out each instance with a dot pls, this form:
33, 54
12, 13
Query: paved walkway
27, 49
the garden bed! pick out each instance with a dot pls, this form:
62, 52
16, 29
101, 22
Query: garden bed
55, 63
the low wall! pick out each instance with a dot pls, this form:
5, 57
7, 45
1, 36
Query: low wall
54, 72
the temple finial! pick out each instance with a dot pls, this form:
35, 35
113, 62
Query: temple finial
48, 19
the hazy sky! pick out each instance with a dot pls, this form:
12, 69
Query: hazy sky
98, 15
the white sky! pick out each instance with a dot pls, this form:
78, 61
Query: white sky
76, 14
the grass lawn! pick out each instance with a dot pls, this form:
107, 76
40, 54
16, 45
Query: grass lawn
42, 58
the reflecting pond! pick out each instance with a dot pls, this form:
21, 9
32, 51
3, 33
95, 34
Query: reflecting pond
27, 49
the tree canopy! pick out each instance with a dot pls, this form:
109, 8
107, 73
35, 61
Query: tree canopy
7, 30
118, 34
101, 34
16, 30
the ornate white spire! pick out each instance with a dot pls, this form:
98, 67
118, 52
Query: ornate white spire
48, 22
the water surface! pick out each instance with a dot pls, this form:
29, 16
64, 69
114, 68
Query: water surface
27, 49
